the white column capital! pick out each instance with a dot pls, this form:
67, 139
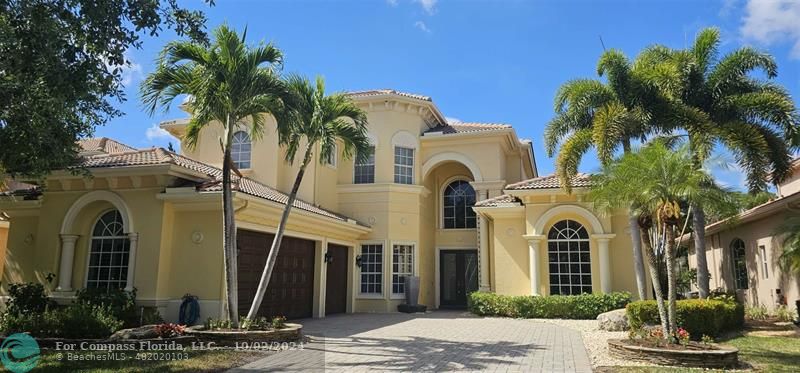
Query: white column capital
605, 237
534, 238
133, 236
69, 238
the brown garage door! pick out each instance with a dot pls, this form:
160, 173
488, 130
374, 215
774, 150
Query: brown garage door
291, 289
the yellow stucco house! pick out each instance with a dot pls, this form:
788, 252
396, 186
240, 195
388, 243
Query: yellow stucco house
460, 205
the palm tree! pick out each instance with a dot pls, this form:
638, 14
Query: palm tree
606, 116
313, 119
231, 85
719, 101
655, 182
790, 257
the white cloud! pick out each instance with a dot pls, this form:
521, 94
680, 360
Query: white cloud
391, 2
773, 21
156, 133
130, 72
452, 120
429, 6
422, 26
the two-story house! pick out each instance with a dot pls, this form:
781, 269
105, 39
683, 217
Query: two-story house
150, 219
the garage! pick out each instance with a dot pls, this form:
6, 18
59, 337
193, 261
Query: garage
291, 289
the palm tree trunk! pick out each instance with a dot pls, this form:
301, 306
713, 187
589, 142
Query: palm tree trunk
647, 247
638, 262
229, 232
276, 242
699, 227
669, 256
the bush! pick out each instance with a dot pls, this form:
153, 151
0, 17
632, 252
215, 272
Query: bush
170, 330
583, 306
120, 303
26, 298
698, 316
65, 322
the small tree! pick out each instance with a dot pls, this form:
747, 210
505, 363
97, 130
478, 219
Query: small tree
232, 85
313, 119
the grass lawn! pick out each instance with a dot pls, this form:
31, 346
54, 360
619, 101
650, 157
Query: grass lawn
198, 361
765, 354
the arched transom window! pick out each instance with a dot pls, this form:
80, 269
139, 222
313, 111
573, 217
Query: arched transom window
569, 257
459, 197
240, 150
109, 253
739, 263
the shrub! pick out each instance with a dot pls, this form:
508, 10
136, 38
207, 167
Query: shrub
698, 316
783, 314
758, 313
121, 303
170, 330
583, 306
259, 323
25, 298
216, 324
278, 322
64, 322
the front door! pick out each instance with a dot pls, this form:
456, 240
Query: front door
458, 271
336, 280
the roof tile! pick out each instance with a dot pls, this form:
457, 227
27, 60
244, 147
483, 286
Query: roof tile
378, 92
551, 182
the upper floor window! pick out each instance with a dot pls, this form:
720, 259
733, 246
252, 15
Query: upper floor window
108, 254
364, 171
330, 160
762, 250
459, 197
739, 264
240, 150
403, 165
569, 258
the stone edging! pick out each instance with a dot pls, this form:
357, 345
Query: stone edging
228, 338
722, 357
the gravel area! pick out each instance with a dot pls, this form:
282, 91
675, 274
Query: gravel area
596, 341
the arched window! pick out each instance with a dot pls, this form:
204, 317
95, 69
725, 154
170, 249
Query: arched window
459, 197
739, 264
108, 254
240, 150
568, 253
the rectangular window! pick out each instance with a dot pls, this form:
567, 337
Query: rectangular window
372, 269
402, 265
403, 165
764, 263
364, 171
330, 160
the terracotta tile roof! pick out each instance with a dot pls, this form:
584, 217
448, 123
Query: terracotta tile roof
467, 127
105, 145
13, 187
378, 92
161, 156
551, 182
501, 200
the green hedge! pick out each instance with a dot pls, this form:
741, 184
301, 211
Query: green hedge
63, 322
698, 316
584, 306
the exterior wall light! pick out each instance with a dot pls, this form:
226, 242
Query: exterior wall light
358, 261
328, 257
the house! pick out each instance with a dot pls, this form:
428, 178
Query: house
742, 253
461, 205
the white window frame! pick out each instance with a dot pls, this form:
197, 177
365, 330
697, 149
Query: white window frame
355, 165
91, 239
414, 266
382, 276
732, 250
236, 155
332, 162
407, 167
569, 262
441, 197
762, 251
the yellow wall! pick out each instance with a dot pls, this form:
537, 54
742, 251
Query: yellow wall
4, 225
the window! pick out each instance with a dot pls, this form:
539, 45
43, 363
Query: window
459, 197
372, 269
330, 160
402, 265
764, 263
240, 150
108, 253
739, 265
403, 165
569, 257
364, 172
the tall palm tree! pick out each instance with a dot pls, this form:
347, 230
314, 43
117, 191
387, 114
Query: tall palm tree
655, 182
313, 119
719, 101
606, 116
232, 85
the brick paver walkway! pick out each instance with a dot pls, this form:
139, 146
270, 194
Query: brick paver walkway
437, 341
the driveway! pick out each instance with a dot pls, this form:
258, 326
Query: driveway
436, 341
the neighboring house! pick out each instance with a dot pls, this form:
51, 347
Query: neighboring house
743, 252
150, 219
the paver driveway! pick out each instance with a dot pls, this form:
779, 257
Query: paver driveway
436, 341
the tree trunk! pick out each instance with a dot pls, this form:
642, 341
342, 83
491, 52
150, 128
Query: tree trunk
276, 242
229, 232
699, 227
669, 256
638, 262
647, 247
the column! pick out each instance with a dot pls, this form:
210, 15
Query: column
483, 251
605, 260
534, 241
67, 259
133, 239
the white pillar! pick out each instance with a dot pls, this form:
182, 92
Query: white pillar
133, 239
605, 261
483, 238
534, 241
67, 259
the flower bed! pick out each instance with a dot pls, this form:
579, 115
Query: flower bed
692, 354
700, 317
232, 337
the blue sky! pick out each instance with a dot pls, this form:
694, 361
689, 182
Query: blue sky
490, 61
